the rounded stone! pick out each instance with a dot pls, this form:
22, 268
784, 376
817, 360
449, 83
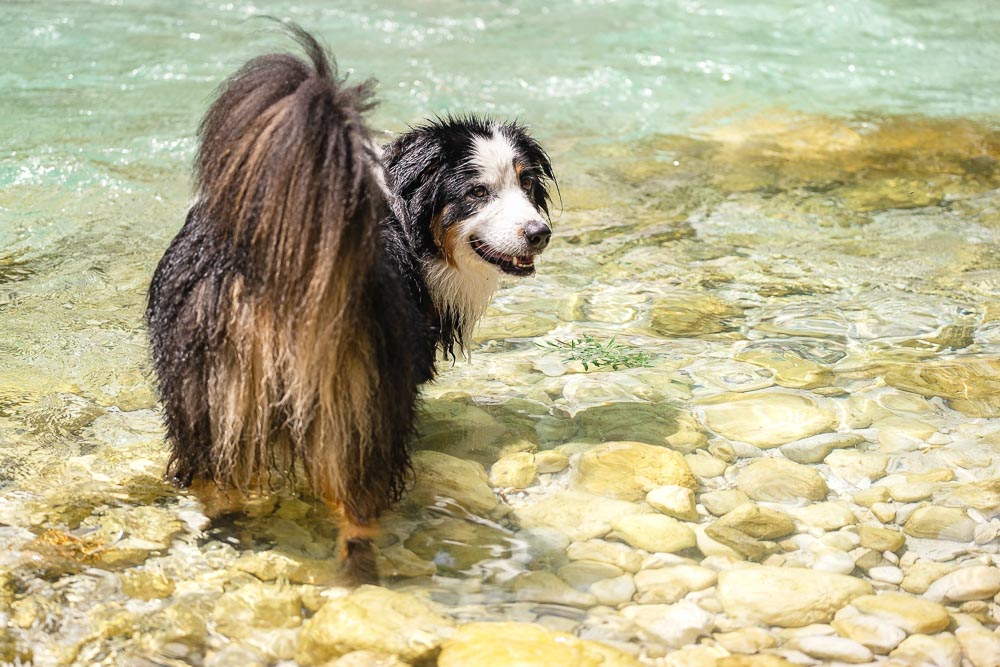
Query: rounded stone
551, 461
767, 419
514, 471
759, 522
612, 553
525, 645
546, 587
941, 650
857, 467
786, 597
629, 470
581, 516
675, 625
778, 480
912, 614
826, 516
724, 501
834, 648
673, 500
615, 591
440, 475
654, 532
981, 647
375, 619
877, 634
978, 582
881, 539
941, 523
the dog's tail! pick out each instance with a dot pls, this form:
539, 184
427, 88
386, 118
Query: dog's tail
285, 168
288, 179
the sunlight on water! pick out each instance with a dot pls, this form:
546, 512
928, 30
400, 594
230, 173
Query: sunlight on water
791, 207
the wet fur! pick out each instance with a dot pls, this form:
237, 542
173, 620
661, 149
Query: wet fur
292, 319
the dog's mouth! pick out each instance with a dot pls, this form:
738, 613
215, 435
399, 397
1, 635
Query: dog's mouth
515, 265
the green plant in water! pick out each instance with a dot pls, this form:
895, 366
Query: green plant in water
590, 352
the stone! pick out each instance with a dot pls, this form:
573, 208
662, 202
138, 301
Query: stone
244, 611
739, 542
912, 614
786, 597
581, 516
884, 512
940, 523
675, 625
834, 648
582, 574
653, 532
982, 496
705, 466
398, 561
980, 647
857, 467
669, 584
746, 640
780, 481
514, 471
877, 634
789, 369
629, 470
901, 434
441, 477
366, 659
871, 495
816, 448
376, 619
615, 591
723, 501
673, 500
881, 539
758, 522
919, 576
275, 564
941, 650
547, 588
612, 553
690, 315
525, 645
763, 660
978, 582
826, 516
768, 419
455, 545
551, 461
971, 385
887, 574
828, 559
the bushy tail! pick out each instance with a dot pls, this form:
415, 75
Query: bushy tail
287, 179
284, 169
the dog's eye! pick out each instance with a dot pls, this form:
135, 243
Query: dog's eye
526, 183
479, 191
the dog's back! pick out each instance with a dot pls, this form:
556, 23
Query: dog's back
279, 333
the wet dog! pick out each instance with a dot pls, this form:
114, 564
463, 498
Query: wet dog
319, 275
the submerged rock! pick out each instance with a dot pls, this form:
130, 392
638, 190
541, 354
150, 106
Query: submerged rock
654, 532
441, 477
629, 470
376, 619
525, 645
581, 516
781, 481
786, 597
455, 544
767, 419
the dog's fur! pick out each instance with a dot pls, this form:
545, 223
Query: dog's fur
301, 305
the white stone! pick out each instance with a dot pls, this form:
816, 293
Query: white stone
834, 648
673, 500
879, 635
886, 574
940, 650
978, 582
676, 625
981, 647
832, 560
614, 591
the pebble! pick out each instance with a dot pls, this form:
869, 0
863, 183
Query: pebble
834, 648
919, 576
767, 419
629, 470
978, 582
778, 480
940, 650
912, 614
818, 447
581, 516
582, 574
442, 475
614, 591
940, 523
705, 466
546, 587
514, 471
826, 516
525, 645
828, 559
676, 625
759, 522
981, 647
887, 574
746, 640
673, 500
786, 597
857, 467
877, 634
723, 501
653, 532
613, 553
881, 539
551, 461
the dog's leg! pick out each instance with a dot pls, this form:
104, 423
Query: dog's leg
356, 548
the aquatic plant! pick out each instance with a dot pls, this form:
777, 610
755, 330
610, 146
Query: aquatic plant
590, 352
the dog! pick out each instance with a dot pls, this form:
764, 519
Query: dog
319, 276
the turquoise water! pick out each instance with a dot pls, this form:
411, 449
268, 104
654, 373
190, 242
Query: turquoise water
792, 199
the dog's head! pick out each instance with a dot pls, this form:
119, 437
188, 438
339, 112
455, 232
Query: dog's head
475, 192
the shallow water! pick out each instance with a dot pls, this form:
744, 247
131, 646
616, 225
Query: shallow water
791, 207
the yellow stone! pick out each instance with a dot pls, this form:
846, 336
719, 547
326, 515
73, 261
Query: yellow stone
525, 645
629, 470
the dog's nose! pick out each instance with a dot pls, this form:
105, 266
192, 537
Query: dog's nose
537, 234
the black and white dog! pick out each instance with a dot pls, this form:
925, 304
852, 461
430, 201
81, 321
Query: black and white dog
301, 305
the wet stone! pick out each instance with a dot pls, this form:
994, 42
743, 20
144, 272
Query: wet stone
940, 523
546, 587
786, 597
675, 501
629, 470
777, 480
675, 625
375, 619
919, 576
525, 645
551, 461
877, 634
909, 613
941, 650
857, 467
978, 582
514, 471
789, 369
881, 539
581, 574
441, 477
454, 544
721, 502
758, 522
834, 648
246, 610
612, 553
826, 515
746, 640
581, 516
767, 419
817, 447
653, 532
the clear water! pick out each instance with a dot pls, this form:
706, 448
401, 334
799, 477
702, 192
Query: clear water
818, 178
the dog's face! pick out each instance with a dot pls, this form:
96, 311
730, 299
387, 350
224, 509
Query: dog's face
476, 193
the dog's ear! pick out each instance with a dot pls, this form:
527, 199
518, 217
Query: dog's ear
412, 162
541, 167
